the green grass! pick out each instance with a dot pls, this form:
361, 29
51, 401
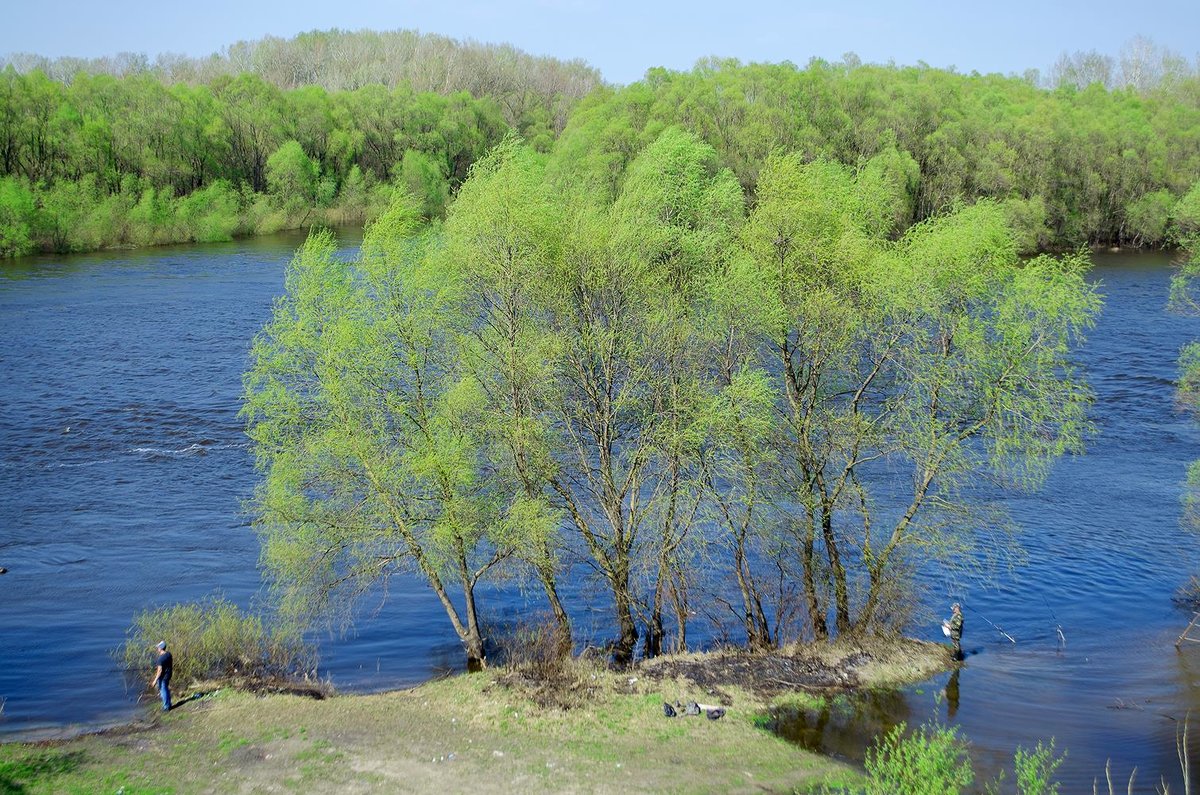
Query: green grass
460, 734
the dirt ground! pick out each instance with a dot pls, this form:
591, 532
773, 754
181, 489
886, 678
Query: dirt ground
588, 730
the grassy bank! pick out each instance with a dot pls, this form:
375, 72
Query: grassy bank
493, 731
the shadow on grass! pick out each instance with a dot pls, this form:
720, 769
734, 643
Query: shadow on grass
15, 774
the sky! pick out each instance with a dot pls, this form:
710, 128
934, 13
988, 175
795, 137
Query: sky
623, 38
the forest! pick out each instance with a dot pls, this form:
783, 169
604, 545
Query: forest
323, 128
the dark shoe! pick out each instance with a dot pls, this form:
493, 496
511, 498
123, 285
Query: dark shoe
668, 710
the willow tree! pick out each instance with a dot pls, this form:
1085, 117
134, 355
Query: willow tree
1185, 298
624, 407
365, 426
501, 237
904, 371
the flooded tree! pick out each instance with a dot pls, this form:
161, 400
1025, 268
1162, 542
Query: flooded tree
901, 372
365, 426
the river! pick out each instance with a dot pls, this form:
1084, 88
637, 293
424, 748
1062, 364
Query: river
124, 471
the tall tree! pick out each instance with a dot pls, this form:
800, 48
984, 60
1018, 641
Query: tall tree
502, 236
623, 403
942, 355
364, 425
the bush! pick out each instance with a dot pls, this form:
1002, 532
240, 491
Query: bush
215, 640
209, 214
931, 761
16, 218
1148, 215
152, 219
1185, 216
535, 648
1035, 770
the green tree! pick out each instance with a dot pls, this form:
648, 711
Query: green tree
292, 177
16, 218
420, 175
364, 425
502, 235
942, 354
1148, 217
624, 405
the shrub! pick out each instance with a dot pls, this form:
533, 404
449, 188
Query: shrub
930, 761
1148, 215
214, 639
1035, 770
209, 214
534, 647
1185, 216
16, 218
152, 219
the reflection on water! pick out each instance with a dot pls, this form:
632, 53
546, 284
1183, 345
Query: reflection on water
845, 725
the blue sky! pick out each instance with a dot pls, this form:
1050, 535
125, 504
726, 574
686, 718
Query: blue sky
623, 37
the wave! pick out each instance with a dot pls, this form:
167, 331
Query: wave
196, 448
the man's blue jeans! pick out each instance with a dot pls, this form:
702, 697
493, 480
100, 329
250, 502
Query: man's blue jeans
164, 691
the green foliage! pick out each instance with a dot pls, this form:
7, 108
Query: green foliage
1027, 220
1085, 156
365, 427
931, 760
934, 760
1035, 769
214, 639
209, 214
292, 177
420, 175
1077, 167
119, 161
16, 218
1185, 216
547, 364
1148, 216
1183, 299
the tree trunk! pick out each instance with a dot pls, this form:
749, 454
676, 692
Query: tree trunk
754, 619
679, 601
550, 586
816, 615
627, 641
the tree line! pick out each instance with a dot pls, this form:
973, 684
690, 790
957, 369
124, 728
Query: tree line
154, 154
107, 161
523, 85
1076, 166
764, 416
270, 134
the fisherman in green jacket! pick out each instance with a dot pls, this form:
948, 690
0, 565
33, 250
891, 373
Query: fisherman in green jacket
954, 627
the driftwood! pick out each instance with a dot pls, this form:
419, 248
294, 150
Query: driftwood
1179, 641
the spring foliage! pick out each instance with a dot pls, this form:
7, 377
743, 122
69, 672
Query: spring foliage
214, 639
1103, 156
661, 384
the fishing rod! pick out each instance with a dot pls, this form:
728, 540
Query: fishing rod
1002, 632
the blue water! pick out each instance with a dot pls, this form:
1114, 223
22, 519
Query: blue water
124, 470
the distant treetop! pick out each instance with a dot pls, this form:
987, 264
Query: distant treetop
345, 60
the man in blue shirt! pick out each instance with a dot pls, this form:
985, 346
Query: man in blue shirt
162, 674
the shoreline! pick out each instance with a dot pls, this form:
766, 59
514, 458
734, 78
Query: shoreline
599, 730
